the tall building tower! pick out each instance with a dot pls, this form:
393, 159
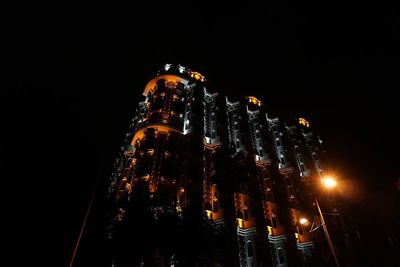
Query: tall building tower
208, 180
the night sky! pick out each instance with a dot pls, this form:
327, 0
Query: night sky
74, 75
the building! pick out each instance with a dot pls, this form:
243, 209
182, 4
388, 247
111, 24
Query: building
207, 180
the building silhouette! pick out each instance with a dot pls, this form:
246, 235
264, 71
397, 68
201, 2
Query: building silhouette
210, 180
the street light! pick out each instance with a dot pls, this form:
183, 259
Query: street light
328, 182
303, 221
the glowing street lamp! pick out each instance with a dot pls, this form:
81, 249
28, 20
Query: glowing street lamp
329, 182
303, 221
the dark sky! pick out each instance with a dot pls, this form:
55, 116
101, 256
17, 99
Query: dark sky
74, 75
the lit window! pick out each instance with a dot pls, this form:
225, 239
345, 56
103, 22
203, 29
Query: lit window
254, 100
304, 122
240, 223
197, 76
269, 230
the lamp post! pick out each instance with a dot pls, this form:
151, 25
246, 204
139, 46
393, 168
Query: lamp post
329, 183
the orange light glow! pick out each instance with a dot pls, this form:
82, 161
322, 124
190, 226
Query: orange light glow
254, 100
297, 236
197, 76
304, 122
240, 223
173, 78
158, 127
303, 221
329, 182
209, 214
269, 230
145, 177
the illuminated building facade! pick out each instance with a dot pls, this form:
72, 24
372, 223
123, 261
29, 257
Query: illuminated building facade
240, 177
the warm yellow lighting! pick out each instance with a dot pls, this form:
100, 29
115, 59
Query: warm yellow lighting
329, 182
128, 186
171, 84
254, 100
303, 221
139, 134
240, 223
145, 177
197, 76
304, 122
209, 214
269, 230
297, 236
152, 84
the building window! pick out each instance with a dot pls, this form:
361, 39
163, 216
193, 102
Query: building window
281, 255
249, 249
